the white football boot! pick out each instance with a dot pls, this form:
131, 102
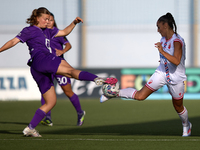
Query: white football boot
104, 98
33, 133
99, 81
187, 130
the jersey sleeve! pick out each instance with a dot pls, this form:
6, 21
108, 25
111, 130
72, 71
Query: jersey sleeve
53, 32
178, 40
64, 40
24, 35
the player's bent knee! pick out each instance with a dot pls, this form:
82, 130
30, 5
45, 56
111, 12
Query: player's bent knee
139, 97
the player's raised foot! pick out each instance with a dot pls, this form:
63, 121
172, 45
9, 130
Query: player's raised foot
47, 122
111, 80
81, 118
33, 133
187, 130
104, 98
99, 81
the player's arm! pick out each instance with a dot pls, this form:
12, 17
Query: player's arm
176, 58
9, 44
67, 48
69, 28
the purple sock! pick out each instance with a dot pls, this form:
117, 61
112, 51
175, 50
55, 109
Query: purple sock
39, 115
76, 103
86, 76
48, 115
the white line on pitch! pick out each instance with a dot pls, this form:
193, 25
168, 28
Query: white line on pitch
123, 140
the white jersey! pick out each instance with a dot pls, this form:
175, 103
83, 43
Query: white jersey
174, 74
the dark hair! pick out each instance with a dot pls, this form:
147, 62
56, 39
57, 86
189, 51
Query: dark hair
37, 13
55, 25
169, 19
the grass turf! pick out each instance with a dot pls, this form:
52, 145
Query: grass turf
116, 124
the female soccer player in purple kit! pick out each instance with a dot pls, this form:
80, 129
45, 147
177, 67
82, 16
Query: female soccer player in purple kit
43, 64
65, 82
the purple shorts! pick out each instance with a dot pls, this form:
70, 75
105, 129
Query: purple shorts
43, 68
62, 80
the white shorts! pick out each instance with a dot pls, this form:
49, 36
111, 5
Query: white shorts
158, 80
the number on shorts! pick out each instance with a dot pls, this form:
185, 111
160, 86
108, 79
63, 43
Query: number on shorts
62, 80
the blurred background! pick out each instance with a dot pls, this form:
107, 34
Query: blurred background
115, 33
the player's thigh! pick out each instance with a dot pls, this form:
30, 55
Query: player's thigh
50, 100
50, 96
176, 90
67, 70
155, 82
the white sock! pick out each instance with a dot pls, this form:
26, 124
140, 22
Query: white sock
184, 117
127, 93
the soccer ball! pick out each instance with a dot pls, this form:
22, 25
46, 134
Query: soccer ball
110, 90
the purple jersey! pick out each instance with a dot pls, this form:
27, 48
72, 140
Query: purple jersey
58, 42
43, 63
37, 39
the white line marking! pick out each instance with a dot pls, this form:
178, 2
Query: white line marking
122, 140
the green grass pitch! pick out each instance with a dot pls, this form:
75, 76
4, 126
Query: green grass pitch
113, 125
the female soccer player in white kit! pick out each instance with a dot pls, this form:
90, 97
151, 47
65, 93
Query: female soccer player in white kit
170, 72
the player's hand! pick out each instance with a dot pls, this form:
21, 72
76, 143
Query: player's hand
159, 47
58, 52
78, 20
